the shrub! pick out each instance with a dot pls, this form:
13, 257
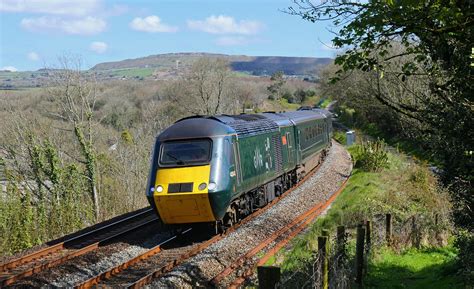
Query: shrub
340, 136
372, 156
464, 242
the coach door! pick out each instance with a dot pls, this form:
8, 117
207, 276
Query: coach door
237, 161
290, 145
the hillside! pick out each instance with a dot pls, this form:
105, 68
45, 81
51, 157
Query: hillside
171, 65
257, 65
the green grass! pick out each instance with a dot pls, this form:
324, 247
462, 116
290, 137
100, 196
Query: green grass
325, 103
366, 194
415, 269
340, 136
311, 101
284, 104
240, 74
132, 72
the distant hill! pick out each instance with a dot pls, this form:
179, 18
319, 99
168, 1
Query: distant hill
257, 65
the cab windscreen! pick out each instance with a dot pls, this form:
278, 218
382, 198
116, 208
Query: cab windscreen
189, 152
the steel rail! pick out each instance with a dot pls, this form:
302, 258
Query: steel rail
169, 266
8, 274
312, 212
117, 269
249, 272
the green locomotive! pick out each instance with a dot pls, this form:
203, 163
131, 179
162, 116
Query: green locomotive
221, 168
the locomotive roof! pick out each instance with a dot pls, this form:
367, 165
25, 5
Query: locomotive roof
243, 125
195, 127
248, 124
296, 117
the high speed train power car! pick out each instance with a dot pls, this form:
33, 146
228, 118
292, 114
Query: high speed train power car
218, 169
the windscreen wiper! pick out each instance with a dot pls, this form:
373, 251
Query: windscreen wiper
178, 161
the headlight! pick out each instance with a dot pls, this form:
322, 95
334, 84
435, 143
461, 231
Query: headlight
212, 186
159, 189
202, 186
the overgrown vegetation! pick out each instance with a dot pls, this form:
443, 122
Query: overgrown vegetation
371, 156
407, 71
402, 187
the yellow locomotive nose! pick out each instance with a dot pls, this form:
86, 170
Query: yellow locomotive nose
180, 195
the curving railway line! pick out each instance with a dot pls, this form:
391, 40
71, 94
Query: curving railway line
171, 252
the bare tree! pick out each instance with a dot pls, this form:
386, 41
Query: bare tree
204, 89
75, 93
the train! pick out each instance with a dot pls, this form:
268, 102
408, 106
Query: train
219, 169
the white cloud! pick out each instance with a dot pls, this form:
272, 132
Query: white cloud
151, 24
57, 7
9, 68
232, 41
33, 56
226, 25
98, 47
80, 26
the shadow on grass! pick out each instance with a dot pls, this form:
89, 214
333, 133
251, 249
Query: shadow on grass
429, 268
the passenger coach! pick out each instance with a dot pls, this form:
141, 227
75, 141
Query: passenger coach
218, 169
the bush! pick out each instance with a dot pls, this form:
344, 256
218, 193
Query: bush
372, 156
340, 136
464, 242
288, 96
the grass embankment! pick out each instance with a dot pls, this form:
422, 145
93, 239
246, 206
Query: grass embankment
415, 269
403, 188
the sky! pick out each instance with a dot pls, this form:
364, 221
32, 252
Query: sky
34, 33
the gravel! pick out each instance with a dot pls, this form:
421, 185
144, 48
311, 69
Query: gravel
200, 269
93, 263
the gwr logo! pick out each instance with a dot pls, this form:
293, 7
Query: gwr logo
257, 159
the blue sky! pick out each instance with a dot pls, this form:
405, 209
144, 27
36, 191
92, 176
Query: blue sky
34, 33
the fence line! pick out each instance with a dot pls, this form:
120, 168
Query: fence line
332, 267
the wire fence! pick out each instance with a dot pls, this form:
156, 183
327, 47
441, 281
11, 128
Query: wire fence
336, 265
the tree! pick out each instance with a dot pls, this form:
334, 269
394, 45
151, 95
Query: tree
276, 88
75, 94
436, 43
204, 89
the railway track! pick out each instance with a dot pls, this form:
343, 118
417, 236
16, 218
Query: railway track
271, 245
155, 262
230, 262
59, 253
167, 255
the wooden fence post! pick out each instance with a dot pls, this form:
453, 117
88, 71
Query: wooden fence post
368, 242
368, 232
323, 244
415, 237
388, 229
341, 241
268, 276
359, 264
